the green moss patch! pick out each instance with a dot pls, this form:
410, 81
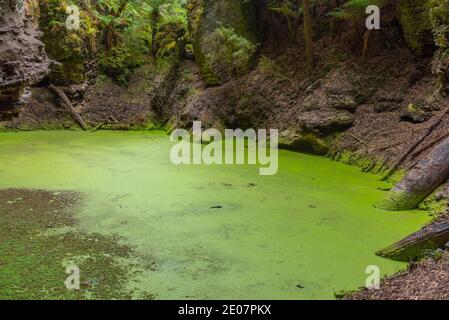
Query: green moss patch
415, 21
214, 232
39, 238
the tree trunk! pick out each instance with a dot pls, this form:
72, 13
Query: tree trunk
271, 28
420, 181
431, 237
412, 148
308, 33
365, 42
69, 106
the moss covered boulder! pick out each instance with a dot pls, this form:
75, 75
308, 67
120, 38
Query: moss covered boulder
206, 17
70, 47
292, 139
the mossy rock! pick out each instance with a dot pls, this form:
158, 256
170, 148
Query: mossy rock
414, 17
305, 142
170, 40
68, 72
68, 47
439, 16
206, 16
117, 64
415, 114
420, 19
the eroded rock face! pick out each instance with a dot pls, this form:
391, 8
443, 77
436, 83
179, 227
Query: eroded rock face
23, 61
325, 121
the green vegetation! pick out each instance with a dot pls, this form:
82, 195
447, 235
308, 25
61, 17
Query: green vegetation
226, 23
355, 12
420, 19
439, 17
415, 21
40, 238
230, 54
133, 31
123, 34
292, 13
215, 231
71, 48
277, 226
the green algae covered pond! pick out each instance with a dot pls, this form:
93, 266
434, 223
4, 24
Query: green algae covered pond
222, 231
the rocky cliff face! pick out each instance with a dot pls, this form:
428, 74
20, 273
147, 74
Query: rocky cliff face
23, 61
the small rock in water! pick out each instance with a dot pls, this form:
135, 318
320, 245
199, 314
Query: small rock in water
216, 207
251, 184
415, 114
300, 286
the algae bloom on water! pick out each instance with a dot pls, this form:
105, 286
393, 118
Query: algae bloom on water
216, 232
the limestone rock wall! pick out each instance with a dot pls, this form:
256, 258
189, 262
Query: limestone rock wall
23, 61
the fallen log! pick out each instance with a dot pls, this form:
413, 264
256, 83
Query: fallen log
412, 148
420, 181
69, 106
431, 237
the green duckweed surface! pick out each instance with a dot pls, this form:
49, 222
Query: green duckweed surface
217, 231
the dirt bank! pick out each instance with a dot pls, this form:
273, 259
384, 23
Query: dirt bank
425, 280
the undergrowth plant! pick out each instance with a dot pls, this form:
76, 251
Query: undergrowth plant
230, 54
135, 30
354, 11
70, 47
